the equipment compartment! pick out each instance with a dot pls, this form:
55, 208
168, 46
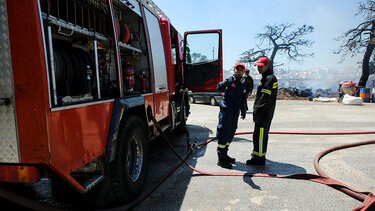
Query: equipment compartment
81, 51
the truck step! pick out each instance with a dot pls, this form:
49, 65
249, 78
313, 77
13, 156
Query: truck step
91, 182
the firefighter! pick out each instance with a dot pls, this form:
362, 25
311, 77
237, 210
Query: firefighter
249, 84
263, 110
233, 102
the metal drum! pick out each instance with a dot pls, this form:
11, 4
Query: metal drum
365, 94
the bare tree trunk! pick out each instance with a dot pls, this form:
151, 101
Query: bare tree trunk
366, 66
366, 59
272, 58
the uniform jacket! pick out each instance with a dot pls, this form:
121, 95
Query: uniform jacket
234, 93
265, 101
249, 83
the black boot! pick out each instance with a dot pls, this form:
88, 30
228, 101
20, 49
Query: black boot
223, 162
231, 160
255, 160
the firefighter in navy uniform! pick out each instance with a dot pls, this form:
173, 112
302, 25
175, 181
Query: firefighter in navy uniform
249, 84
233, 103
263, 110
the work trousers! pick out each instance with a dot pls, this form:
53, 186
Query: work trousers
260, 138
226, 128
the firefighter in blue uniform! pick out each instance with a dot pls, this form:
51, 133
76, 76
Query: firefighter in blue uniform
263, 110
233, 102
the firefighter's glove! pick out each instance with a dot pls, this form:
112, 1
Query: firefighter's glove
243, 113
226, 82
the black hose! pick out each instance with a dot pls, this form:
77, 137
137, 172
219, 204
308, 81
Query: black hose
160, 181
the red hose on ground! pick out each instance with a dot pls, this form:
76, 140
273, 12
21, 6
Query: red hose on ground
300, 133
367, 198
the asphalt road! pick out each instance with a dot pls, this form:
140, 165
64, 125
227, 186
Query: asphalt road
287, 154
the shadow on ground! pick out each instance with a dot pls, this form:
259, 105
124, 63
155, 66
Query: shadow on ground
162, 158
271, 167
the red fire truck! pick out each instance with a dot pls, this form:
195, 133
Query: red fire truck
79, 81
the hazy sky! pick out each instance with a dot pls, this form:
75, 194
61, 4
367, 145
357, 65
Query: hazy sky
241, 20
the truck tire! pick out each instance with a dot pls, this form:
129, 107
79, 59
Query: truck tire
213, 101
184, 113
128, 170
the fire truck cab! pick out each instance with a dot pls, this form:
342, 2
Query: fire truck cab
79, 82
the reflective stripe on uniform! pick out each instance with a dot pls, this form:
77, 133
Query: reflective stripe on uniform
275, 85
259, 154
260, 83
244, 91
266, 91
228, 143
221, 146
261, 132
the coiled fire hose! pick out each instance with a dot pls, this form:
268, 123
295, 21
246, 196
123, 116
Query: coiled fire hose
367, 198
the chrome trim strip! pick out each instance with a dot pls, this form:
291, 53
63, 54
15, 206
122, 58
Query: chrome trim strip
97, 68
81, 105
45, 54
52, 63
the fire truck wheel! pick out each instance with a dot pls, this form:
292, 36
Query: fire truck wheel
183, 117
128, 170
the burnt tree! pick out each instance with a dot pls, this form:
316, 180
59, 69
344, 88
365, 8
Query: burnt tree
361, 39
280, 38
